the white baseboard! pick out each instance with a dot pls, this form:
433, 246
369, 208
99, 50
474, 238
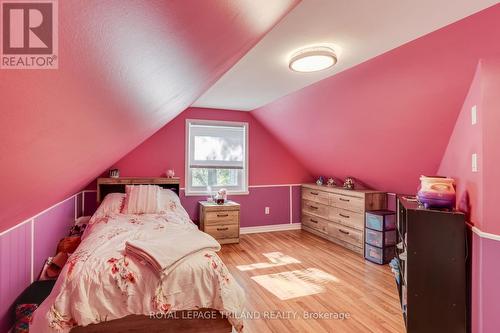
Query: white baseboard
270, 228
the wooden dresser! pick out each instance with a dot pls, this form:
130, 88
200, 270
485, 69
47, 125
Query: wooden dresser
222, 222
338, 214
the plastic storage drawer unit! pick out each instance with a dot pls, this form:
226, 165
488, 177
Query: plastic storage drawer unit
379, 255
381, 220
380, 238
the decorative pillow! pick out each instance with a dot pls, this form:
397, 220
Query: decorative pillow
170, 204
168, 200
24, 314
112, 204
142, 199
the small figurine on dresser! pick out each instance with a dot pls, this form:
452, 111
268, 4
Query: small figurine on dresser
349, 183
320, 181
331, 182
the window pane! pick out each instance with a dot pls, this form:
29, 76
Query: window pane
215, 177
212, 148
227, 177
199, 177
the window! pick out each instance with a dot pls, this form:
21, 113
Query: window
217, 157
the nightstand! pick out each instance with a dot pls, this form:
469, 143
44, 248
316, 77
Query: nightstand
222, 222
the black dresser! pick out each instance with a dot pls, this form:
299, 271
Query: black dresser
431, 255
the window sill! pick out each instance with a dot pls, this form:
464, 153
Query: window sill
204, 194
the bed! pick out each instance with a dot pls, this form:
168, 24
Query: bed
102, 288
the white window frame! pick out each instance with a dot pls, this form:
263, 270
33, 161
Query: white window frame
189, 190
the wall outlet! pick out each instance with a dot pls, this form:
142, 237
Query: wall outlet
473, 115
474, 162
266, 210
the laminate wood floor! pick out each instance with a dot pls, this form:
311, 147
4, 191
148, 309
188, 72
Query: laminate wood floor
363, 290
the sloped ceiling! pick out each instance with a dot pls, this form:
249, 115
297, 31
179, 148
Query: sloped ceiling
388, 120
125, 69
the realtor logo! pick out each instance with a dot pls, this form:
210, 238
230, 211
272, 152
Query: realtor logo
29, 34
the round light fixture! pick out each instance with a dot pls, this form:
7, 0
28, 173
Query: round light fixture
312, 59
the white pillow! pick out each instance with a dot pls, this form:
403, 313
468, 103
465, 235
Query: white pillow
170, 204
142, 199
111, 204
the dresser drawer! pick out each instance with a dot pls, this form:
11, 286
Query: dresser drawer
315, 208
346, 234
314, 222
222, 217
348, 218
353, 204
223, 231
316, 196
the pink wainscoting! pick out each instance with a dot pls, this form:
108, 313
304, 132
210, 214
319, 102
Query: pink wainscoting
476, 292
388, 120
270, 162
296, 204
24, 249
490, 287
278, 198
50, 227
126, 68
15, 269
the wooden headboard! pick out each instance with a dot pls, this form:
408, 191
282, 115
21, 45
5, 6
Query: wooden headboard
117, 185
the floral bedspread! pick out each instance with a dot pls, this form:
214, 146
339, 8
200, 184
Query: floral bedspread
100, 283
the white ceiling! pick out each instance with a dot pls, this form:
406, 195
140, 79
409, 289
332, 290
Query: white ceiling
357, 29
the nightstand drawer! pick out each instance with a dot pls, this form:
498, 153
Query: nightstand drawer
223, 231
222, 217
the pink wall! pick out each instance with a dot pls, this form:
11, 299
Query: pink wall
125, 69
388, 120
270, 163
465, 140
481, 187
491, 144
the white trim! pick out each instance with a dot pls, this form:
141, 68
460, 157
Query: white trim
32, 250
90, 191
14, 227
291, 210
271, 228
276, 185
486, 235
54, 206
83, 203
76, 207
37, 215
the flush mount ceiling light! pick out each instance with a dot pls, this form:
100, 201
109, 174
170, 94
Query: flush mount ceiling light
312, 59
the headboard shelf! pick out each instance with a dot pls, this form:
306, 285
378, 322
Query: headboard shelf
117, 185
